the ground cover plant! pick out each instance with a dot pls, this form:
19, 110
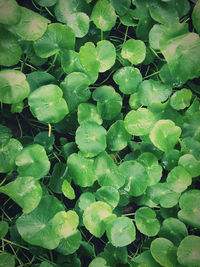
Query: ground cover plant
100, 133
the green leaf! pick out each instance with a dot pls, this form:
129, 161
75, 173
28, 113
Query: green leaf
68, 190
139, 122
88, 112
13, 86
190, 164
121, 232
121, 7
17, 107
137, 179
75, 89
128, 79
85, 200
167, 77
36, 227
181, 99
146, 221
94, 216
8, 154
5, 135
191, 126
107, 171
117, 137
134, 101
98, 262
134, 51
43, 139
151, 91
146, 259
106, 55
164, 252
170, 160
103, 15
31, 25
11, 56
58, 37
153, 169
10, 12
47, 104
7, 259
178, 179
59, 174
188, 251
91, 138
65, 223
109, 195
33, 160
3, 229
46, 3
79, 22
70, 244
190, 210
25, 191
81, 170
195, 17
174, 230
109, 102
190, 146
165, 135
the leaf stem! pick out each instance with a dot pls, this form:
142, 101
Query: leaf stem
150, 75
14, 244
49, 12
52, 63
125, 34
49, 134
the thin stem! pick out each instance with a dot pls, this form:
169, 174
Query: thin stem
150, 75
20, 262
128, 214
49, 134
3, 181
49, 12
14, 244
20, 128
125, 34
52, 63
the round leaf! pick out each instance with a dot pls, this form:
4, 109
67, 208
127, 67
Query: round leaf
121, 232
139, 122
85, 200
46, 103
188, 251
106, 55
7, 259
36, 227
190, 210
70, 244
58, 37
13, 86
94, 216
128, 79
134, 51
91, 138
10, 12
88, 112
190, 164
153, 169
151, 91
174, 230
165, 135
79, 22
109, 195
146, 221
3, 229
11, 56
31, 25
103, 15
8, 154
109, 103
164, 252
137, 179
25, 191
181, 99
178, 179
81, 170
33, 160
117, 136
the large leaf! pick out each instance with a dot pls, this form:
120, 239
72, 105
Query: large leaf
31, 25
33, 160
134, 51
103, 15
25, 191
36, 227
46, 103
58, 37
13, 86
10, 12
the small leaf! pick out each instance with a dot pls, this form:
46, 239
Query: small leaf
3, 229
188, 251
13, 86
146, 221
181, 99
43, 139
103, 15
94, 216
25, 191
134, 51
165, 135
70, 244
33, 159
128, 79
47, 104
106, 55
109, 195
98, 262
121, 232
68, 190
91, 138
139, 122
